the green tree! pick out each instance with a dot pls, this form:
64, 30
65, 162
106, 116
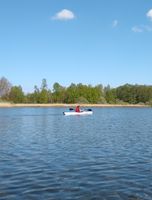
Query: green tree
59, 93
110, 94
44, 97
16, 94
126, 93
44, 85
71, 94
43, 94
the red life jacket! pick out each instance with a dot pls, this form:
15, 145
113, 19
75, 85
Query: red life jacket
77, 109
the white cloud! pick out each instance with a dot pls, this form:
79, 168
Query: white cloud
64, 15
137, 29
147, 28
115, 23
142, 28
149, 14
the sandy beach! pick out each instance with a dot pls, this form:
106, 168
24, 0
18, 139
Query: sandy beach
11, 105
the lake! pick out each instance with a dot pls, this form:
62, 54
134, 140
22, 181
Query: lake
45, 155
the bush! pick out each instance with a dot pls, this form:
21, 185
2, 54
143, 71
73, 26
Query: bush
82, 100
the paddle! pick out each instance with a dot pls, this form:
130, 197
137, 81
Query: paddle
74, 109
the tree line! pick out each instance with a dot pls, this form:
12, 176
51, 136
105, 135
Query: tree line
77, 93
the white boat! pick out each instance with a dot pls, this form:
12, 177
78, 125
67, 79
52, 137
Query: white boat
84, 112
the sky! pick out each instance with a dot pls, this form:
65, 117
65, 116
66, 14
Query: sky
76, 41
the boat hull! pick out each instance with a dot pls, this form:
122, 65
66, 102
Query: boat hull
78, 113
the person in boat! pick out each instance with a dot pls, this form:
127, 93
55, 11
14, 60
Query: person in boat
77, 109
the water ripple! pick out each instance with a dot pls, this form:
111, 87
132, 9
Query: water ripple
44, 155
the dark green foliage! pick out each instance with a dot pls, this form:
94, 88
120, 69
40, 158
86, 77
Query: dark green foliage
110, 95
84, 93
126, 93
42, 95
44, 84
16, 94
134, 93
59, 93
81, 100
78, 93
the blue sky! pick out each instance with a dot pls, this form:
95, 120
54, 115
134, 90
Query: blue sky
65, 41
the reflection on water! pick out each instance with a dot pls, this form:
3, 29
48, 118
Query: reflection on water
45, 155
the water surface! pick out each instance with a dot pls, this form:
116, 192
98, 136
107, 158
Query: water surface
45, 155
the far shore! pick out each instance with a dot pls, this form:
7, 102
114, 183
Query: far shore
11, 105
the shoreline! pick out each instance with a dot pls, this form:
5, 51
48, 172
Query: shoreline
11, 105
